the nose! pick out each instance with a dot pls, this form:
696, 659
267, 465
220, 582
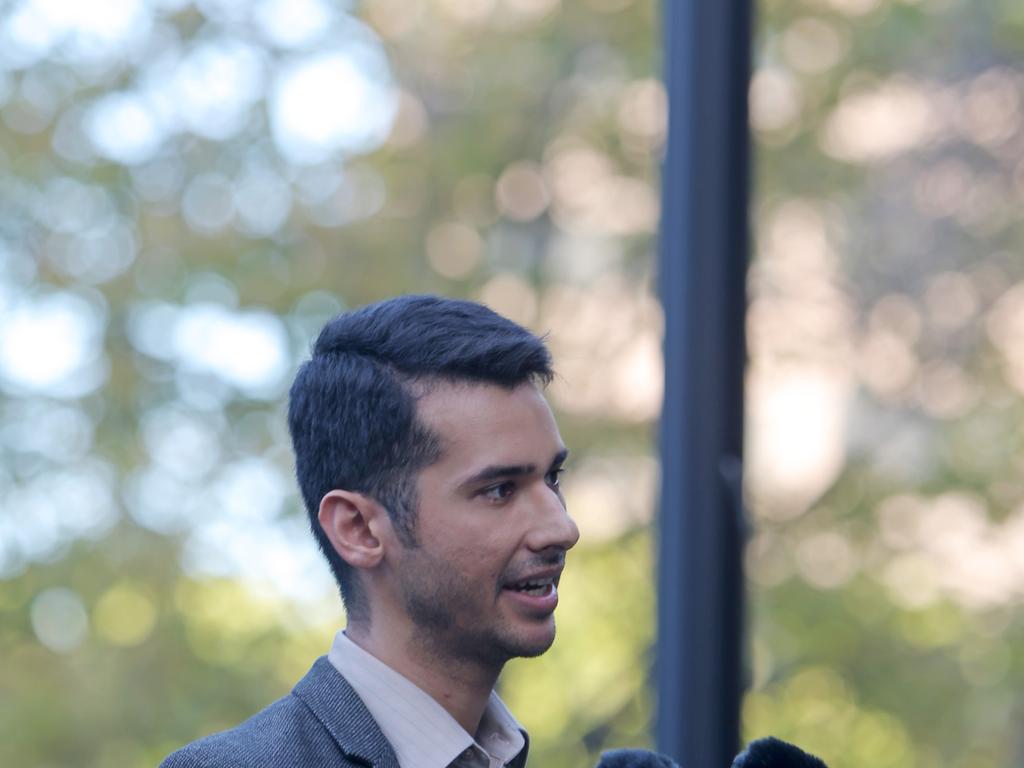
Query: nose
553, 528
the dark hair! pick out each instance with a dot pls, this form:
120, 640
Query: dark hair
352, 407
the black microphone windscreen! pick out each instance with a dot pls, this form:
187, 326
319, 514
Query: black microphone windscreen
634, 758
775, 753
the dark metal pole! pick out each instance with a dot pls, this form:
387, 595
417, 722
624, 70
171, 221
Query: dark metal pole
704, 243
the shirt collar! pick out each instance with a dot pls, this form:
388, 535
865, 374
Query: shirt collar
422, 733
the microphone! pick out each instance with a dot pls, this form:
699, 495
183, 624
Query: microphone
775, 753
634, 758
763, 753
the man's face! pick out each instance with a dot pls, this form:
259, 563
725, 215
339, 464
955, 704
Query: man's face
492, 527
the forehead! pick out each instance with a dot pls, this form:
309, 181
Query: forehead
490, 422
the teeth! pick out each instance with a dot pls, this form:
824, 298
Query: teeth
535, 588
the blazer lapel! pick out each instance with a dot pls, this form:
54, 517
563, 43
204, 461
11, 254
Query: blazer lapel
344, 715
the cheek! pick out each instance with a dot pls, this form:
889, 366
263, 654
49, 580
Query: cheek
469, 542
481, 560
478, 559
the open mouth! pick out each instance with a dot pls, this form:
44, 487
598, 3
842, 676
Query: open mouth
534, 587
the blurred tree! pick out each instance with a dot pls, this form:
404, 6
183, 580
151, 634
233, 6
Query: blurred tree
884, 398
189, 189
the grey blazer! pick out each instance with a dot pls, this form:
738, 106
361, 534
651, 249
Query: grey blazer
321, 724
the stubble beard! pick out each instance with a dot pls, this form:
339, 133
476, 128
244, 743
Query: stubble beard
436, 601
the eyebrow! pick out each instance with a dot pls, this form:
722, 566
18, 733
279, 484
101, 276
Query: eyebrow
496, 471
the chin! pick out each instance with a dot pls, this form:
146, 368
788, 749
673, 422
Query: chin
529, 645
499, 644
529, 652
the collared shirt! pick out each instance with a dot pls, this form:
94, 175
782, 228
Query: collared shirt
421, 731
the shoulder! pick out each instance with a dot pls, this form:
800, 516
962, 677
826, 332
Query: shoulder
322, 723
284, 735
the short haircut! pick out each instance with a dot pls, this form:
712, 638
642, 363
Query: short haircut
352, 407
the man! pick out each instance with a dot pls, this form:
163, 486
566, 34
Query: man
429, 463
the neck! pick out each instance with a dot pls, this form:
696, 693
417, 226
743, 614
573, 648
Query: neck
461, 686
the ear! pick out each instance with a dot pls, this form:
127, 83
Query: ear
354, 524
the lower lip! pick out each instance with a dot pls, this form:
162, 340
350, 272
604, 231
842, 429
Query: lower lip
543, 603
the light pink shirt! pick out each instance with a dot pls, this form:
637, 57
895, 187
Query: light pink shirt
422, 733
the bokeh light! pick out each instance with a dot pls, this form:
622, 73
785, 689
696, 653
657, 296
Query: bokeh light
188, 190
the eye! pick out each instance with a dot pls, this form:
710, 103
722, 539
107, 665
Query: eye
553, 477
499, 492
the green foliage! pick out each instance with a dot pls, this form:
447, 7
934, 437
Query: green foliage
163, 268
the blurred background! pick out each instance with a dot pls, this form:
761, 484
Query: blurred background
188, 190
